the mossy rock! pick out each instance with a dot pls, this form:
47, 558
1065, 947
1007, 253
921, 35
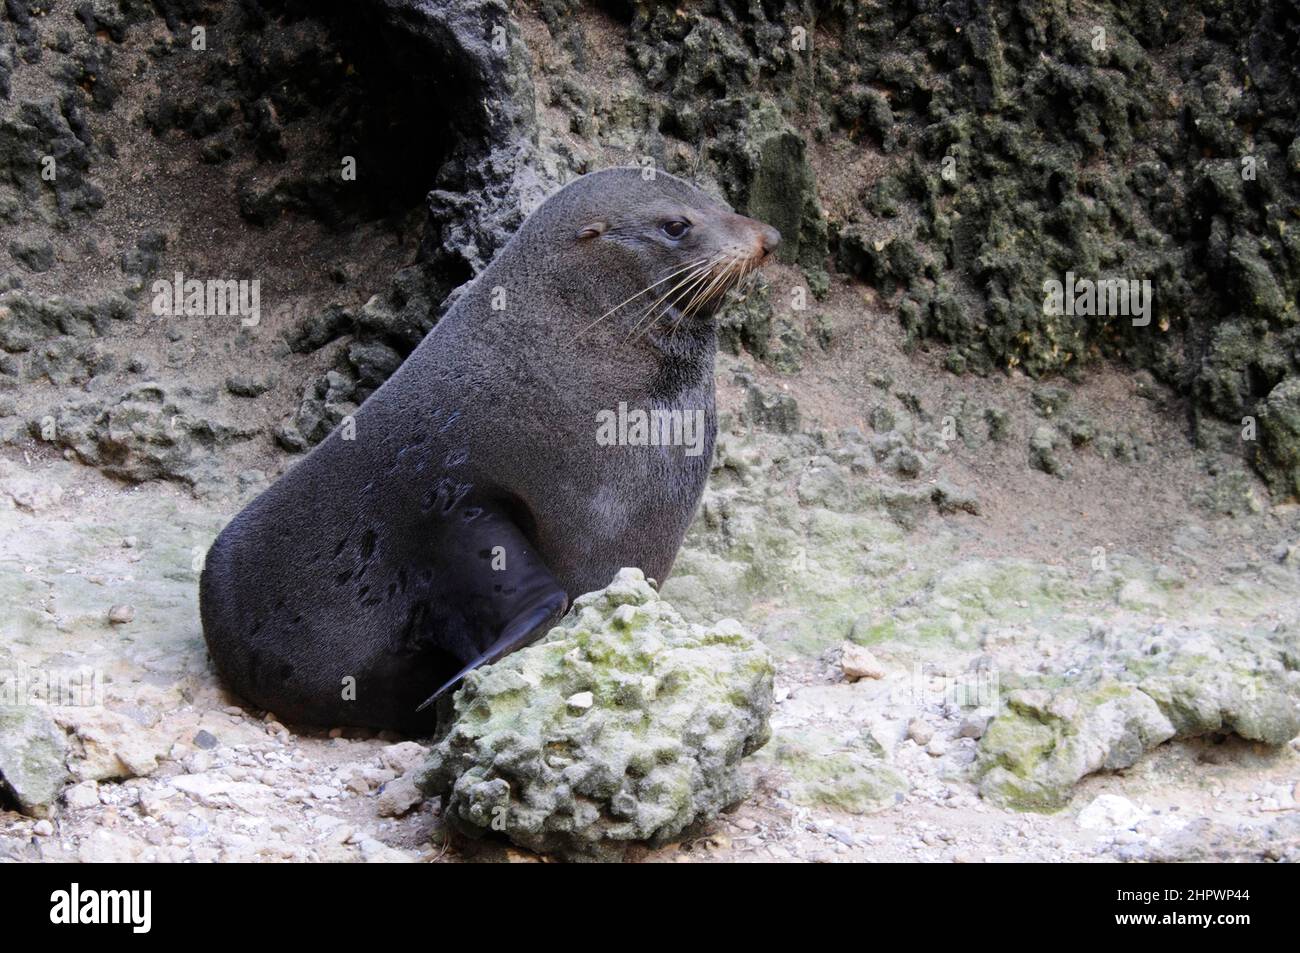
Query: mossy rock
33, 756
624, 725
1114, 706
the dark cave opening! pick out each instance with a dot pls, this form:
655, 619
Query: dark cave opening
409, 114
351, 116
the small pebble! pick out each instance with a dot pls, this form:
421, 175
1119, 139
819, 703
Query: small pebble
82, 796
919, 731
973, 726
858, 662
120, 615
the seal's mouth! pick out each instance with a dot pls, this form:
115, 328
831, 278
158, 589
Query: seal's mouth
699, 286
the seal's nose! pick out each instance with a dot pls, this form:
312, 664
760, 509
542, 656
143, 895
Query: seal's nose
771, 239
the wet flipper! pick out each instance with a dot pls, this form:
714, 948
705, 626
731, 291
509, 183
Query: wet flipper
530, 625
510, 603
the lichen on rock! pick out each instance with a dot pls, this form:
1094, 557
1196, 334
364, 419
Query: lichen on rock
825, 772
32, 755
625, 724
1140, 691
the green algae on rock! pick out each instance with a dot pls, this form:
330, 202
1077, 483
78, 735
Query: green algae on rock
33, 753
1141, 691
825, 772
625, 724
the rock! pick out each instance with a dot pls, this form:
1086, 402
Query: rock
377, 852
904, 462
208, 789
1110, 812
154, 802
27, 491
953, 499
104, 846
374, 363
771, 160
857, 662
581, 701
403, 756
82, 796
777, 411
1049, 401
148, 432
974, 726
35, 254
110, 745
398, 796
33, 752
1135, 695
1279, 427
1035, 751
826, 772
1138, 594
1042, 449
248, 385
120, 615
920, 731
675, 708
205, 740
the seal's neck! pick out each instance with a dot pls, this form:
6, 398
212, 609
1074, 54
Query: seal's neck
683, 357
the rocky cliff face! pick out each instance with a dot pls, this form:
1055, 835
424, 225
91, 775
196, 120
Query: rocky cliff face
990, 148
949, 157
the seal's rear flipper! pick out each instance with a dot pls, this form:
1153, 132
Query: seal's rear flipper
497, 593
523, 629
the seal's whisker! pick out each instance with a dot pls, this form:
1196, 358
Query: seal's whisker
688, 281
748, 277
693, 290
704, 292
687, 286
667, 305
699, 297
667, 277
698, 287
650, 311
715, 288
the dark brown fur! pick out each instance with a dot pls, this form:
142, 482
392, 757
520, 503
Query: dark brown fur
373, 559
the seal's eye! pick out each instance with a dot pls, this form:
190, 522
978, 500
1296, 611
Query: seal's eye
676, 229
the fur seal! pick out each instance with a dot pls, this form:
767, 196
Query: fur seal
475, 502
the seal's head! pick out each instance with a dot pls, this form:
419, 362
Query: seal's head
665, 248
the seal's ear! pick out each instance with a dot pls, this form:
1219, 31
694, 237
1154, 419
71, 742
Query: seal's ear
591, 230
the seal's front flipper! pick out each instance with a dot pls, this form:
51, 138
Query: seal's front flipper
531, 624
501, 594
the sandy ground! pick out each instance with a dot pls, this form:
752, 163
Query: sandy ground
174, 769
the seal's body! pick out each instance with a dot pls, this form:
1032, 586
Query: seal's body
474, 501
